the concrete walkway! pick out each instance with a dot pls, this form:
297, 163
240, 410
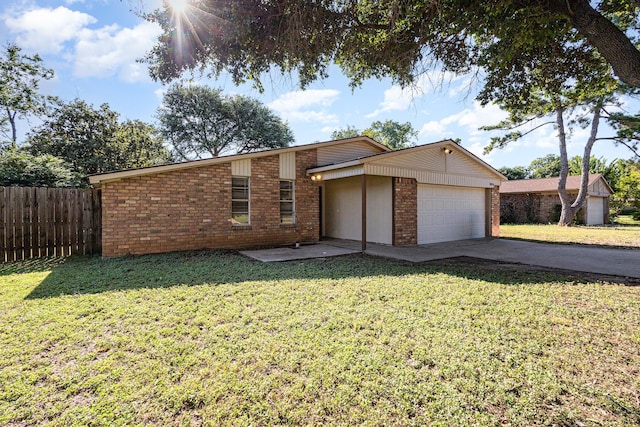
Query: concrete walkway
591, 259
289, 253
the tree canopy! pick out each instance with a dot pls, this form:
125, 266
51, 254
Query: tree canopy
201, 122
516, 172
93, 140
391, 133
628, 188
384, 38
20, 77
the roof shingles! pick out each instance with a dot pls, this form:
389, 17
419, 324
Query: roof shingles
544, 184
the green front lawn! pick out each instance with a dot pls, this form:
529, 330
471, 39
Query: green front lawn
626, 220
624, 236
212, 338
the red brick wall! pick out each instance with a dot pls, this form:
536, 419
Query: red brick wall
405, 212
534, 207
191, 209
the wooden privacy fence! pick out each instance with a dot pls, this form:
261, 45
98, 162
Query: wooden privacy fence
39, 222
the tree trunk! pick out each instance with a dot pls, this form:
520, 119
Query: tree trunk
566, 214
612, 43
14, 133
570, 209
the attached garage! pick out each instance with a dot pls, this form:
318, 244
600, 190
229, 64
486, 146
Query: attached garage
426, 194
343, 212
447, 213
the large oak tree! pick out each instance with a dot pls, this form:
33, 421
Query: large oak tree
95, 140
200, 122
383, 38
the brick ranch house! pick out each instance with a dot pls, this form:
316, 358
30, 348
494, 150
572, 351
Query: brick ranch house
353, 188
537, 200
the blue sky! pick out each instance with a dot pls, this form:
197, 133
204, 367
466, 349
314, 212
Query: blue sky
93, 45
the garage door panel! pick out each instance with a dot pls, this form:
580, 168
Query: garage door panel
595, 210
450, 213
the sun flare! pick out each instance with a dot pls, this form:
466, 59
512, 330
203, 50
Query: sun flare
178, 6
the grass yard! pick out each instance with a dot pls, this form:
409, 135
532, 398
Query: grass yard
623, 236
212, 338
626, 220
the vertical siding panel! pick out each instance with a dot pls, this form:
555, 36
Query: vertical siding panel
241, 167
344, 152
288, 165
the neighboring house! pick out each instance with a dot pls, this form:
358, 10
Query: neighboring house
537, 200
430, 193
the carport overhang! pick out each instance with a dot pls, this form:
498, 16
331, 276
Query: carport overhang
390, 164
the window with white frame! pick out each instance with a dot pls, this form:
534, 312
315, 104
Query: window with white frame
240, 200
287, 212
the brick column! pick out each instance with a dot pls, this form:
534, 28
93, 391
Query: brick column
405, 212
495, 211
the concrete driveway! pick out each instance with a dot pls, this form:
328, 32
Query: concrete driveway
590, 259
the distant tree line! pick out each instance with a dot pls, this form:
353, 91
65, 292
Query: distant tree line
75, 139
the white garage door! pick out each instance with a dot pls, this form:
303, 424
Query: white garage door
595, 210
450, 213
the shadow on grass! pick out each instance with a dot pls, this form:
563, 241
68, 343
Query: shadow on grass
35, 265
89, 275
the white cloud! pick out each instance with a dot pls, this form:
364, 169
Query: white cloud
481, 116
477, 148
103, 52
434, 128
397, 98
306, 105
468, 119
112, 50
45, 30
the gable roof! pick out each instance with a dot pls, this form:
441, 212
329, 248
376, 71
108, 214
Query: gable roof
409, 154
542, 185
128, 173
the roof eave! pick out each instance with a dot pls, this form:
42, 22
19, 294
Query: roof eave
98, 179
